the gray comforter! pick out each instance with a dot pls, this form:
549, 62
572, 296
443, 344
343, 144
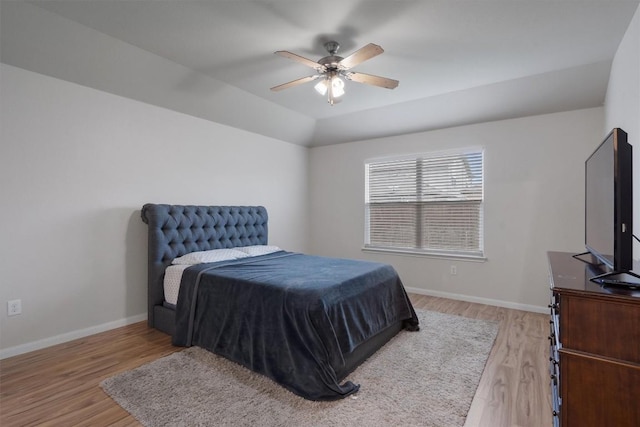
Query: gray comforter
289, 316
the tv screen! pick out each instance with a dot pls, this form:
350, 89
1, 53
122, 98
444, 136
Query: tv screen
608, 203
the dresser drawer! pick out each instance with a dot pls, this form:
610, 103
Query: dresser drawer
598, 392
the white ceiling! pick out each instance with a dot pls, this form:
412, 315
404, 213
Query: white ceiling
458, 62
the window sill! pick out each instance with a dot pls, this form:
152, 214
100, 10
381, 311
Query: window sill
420, 254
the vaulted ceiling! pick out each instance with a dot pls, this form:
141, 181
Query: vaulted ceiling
458, 62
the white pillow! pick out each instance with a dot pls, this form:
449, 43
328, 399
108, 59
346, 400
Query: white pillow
214, 255
259, 249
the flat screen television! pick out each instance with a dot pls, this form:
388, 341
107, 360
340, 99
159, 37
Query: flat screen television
609, 206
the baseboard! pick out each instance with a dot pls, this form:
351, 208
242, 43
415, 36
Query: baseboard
59, 339
70, 336
487, 301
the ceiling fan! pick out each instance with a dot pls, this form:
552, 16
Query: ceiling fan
332, 67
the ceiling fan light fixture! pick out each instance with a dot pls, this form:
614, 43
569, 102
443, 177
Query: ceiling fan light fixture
333, 83
321, 87
337, 86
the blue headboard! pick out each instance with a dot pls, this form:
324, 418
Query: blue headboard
175, 230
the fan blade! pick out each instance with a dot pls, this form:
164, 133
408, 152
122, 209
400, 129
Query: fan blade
295, 82
301, 59
360, 55
372, 80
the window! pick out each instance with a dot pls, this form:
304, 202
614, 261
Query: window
430, 204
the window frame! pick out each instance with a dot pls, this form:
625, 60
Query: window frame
471, 255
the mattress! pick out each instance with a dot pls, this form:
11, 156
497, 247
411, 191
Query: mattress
172, 279
173, 273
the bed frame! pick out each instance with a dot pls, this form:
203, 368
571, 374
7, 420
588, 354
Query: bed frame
175, 230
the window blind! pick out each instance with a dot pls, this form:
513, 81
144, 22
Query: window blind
429, 203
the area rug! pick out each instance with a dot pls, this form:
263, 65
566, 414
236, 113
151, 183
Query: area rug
425, 378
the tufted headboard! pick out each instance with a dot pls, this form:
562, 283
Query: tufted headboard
175, 230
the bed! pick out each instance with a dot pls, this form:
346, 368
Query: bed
304, 321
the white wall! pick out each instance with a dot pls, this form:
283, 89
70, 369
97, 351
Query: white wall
77, 164
534, 202
622, 105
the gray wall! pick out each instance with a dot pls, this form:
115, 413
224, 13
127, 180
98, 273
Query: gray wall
76, 166
534, 196
622, 107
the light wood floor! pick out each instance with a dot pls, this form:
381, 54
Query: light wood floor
58, 386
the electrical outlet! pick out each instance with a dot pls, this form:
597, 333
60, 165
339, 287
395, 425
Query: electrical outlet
454, 270
14, 307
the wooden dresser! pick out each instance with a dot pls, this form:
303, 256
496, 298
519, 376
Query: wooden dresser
595, 348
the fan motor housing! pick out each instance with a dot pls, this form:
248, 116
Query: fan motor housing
331, 61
